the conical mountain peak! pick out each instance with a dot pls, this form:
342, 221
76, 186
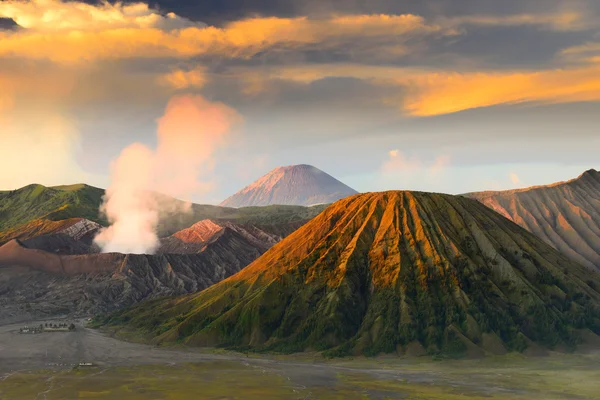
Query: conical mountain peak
291, 185
382, 272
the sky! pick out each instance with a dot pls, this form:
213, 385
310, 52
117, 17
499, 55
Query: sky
442, 95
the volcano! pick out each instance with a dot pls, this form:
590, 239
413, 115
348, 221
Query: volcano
389, 272
302, 185
50, 266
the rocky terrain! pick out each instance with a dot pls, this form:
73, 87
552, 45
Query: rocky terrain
206, 232
35, 282
565, 215
404, 272
51, 266
293, 185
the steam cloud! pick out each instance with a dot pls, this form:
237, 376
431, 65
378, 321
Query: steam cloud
189, 133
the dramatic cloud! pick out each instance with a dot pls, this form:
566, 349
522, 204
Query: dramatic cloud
428, 93
85, 79
443, 93
82, 32
189, 133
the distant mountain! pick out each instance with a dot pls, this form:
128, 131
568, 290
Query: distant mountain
389, 272
293, 185
565, 215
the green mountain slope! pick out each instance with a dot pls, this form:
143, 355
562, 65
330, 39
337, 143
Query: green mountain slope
387, 272
34, 202
34, 210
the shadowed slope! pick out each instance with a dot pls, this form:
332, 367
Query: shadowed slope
203, 233
565, 215
55, 273
382, 272
38, 230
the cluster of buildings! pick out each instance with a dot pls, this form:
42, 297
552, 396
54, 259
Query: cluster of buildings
48, 327
35, 329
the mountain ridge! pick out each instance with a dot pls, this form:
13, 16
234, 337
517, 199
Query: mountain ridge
38, 210
565, 215
385, 272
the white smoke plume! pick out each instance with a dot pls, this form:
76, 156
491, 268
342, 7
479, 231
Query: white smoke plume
189, 133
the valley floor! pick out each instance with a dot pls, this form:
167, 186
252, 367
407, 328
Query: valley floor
40, 366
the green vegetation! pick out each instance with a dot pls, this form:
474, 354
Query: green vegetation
26, 212
277, 219
499, 378
394, 272
200, 381
33, 202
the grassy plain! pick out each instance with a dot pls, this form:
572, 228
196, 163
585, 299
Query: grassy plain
501, 378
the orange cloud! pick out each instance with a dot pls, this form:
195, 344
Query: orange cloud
429, 93
444, 93
182, 79
71, 32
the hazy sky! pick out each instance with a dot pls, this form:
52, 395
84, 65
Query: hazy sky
447, 95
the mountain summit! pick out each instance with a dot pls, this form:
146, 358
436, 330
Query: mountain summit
302, 185
565, 215
390, 272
